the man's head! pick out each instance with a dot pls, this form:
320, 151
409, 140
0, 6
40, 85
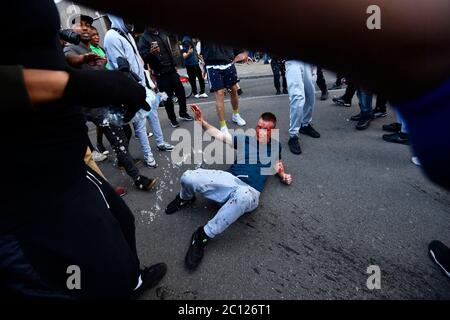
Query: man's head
82, 25
266, 123
153, 30
128, 25
95, 37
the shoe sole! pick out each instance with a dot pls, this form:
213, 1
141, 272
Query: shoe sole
397, 142
151, 185
186, 119
437, 262
240, 125
307, 134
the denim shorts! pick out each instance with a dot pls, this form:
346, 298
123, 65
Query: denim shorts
220, 79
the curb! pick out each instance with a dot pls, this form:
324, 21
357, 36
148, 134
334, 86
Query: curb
256, 76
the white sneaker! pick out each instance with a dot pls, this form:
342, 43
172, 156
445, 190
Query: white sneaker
224, 129
203, 95
416, 161
165, 147
150, 134
98, 157
150, 162
197, 96
238, 119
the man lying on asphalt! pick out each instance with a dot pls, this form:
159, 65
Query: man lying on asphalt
237, 189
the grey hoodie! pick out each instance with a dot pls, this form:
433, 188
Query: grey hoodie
117, 46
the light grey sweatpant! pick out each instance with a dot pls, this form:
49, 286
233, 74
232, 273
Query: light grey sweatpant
222, 187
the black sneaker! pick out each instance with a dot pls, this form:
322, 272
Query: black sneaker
186, 117
150, 277
144, 184
393, 127
285, 91
379, 113
309, 131
178, 204
398, 137
356, 117
196, 249
440, 254
278, 92
294, 145
335, 87
174, 124
342, 102
324, 95
364, 122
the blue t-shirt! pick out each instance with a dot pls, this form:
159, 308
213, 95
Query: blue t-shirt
254, 161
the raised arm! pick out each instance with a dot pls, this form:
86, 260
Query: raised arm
210, 129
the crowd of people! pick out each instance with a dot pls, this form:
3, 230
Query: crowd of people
85, 222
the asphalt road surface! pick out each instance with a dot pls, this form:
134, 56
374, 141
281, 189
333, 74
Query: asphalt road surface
355, 201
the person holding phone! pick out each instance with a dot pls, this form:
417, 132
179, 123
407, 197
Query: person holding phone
154, 48
194, 72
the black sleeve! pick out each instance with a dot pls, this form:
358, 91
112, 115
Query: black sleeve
144, 51
13, 93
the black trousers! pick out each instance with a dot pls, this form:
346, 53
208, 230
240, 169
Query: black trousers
278, 70
88, 226
194, 72
119, 138
171, 84
321, 82
349, 91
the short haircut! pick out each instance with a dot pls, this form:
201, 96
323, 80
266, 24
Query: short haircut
94, 28
269, 116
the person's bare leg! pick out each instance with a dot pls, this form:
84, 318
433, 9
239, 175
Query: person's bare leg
220, 106
235, 105
235, 98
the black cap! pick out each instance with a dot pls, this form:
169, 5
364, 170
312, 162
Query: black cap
82, 17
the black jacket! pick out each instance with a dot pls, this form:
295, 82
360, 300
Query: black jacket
216, 54
156, 61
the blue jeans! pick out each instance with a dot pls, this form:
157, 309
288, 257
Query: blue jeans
141, 133
365, 102
302, 94
153, 120
403, 123
236, 196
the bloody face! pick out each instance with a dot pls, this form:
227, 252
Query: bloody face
264, 130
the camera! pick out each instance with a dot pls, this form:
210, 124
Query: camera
70, 36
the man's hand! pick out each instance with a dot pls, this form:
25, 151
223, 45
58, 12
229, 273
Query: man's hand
91, 57
286, 178
197, 113
243, 57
